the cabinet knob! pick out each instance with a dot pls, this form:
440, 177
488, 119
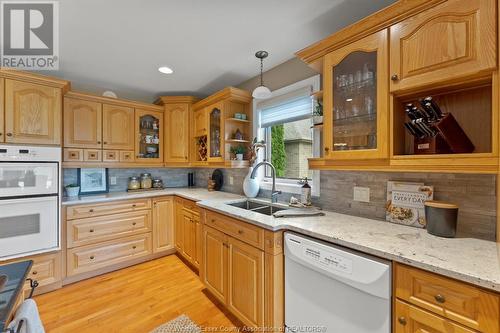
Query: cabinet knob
92, 257
394, 77
440, 298
91, 230
134, 247
91, 210
9, 134
134, 205
98, 142
34, 272
105, 142
402, 320
327, 149
240, 232
134, 223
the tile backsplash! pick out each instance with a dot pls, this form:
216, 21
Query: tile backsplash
475, 194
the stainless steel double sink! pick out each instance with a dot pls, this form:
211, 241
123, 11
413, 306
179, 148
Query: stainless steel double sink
258, 207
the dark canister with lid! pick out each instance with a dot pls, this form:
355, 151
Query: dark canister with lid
441, 218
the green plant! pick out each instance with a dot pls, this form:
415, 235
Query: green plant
278, 154
240, 149
318, 109
71, 185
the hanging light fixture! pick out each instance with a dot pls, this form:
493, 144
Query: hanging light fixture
261, 92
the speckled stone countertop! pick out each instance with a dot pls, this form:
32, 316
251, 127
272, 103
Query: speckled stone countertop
470, 260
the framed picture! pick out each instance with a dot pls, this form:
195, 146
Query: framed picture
93, 180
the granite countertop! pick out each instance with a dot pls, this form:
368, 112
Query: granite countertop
470, 260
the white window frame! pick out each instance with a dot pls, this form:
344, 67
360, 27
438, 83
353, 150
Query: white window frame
284, 184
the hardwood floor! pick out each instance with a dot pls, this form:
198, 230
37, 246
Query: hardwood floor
134, 299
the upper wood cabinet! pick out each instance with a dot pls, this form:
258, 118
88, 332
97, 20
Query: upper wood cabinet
177, 127
200, 122
215, 132
118, 127
82, 123
149, 128
163, 224
454, 40
32, 113
356, 113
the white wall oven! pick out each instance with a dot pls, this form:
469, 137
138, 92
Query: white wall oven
29, 200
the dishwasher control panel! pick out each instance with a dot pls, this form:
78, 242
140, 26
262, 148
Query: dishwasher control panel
328, 259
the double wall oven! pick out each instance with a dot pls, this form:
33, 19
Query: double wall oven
29, 200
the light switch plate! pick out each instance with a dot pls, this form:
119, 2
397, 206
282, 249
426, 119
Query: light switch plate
231, 180
112, 180
361, 194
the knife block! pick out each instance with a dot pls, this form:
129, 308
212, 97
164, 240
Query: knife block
450, 139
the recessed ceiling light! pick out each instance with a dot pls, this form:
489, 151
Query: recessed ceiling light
165, 70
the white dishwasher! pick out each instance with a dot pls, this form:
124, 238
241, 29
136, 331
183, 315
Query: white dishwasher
332, 289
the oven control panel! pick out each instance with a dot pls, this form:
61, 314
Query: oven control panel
28, 154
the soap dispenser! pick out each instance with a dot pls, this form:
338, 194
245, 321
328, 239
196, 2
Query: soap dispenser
305, 196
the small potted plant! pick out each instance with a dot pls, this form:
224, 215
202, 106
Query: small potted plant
318, 113
72, 190
238, 152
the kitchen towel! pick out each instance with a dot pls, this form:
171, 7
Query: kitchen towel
27, 313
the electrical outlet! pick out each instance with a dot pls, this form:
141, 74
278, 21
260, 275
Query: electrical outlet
112, 180
231, 180
361, 194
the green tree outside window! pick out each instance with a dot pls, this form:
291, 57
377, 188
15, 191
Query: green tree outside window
278, 154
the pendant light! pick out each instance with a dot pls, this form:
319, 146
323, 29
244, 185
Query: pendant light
261, 92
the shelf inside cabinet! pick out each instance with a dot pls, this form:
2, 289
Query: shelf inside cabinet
236, 120
470, 106
237, 141
317, 95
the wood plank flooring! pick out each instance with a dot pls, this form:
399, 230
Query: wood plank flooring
134, 299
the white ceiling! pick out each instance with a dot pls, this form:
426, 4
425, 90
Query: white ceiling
119, 44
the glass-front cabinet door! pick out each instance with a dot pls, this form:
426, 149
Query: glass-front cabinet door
149, 130
356, 100
215, 133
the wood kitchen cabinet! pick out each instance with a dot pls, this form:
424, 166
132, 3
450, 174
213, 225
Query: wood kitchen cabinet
2, 113
118, 127
215, 132
200, 122
355, 100
149, 127
178, 126
82, 123
188, 231
33, 113
451, 41
243, 267
163, 224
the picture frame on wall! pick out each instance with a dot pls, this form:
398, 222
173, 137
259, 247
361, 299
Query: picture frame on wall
93, 180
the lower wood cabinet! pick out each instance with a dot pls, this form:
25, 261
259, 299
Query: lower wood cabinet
93, 257
163, 224
443, 304
188, 231
244, 273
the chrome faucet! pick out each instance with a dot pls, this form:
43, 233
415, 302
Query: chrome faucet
274, 193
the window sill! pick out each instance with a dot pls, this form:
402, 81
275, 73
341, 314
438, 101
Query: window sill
286, 187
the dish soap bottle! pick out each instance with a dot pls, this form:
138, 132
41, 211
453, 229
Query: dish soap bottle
305, 196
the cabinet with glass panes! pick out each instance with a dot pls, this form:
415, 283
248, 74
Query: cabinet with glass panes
149, 139
355, 100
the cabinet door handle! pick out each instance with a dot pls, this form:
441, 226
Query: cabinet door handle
134, 223
134, 247
9, 134
394, 77
105, 142
440, 298
98, 142
240, 232
91, 230
92, 257
91, 210
134, 205
327, 149
402, 320
34, 272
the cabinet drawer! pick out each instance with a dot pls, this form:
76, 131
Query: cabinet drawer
106, 208
126, 156
92, 155
463, 303
73, 155
92, 257
410, 319
46, 269
240, 230
97, 229
110, 156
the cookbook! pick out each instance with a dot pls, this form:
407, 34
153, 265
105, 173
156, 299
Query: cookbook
405, 203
